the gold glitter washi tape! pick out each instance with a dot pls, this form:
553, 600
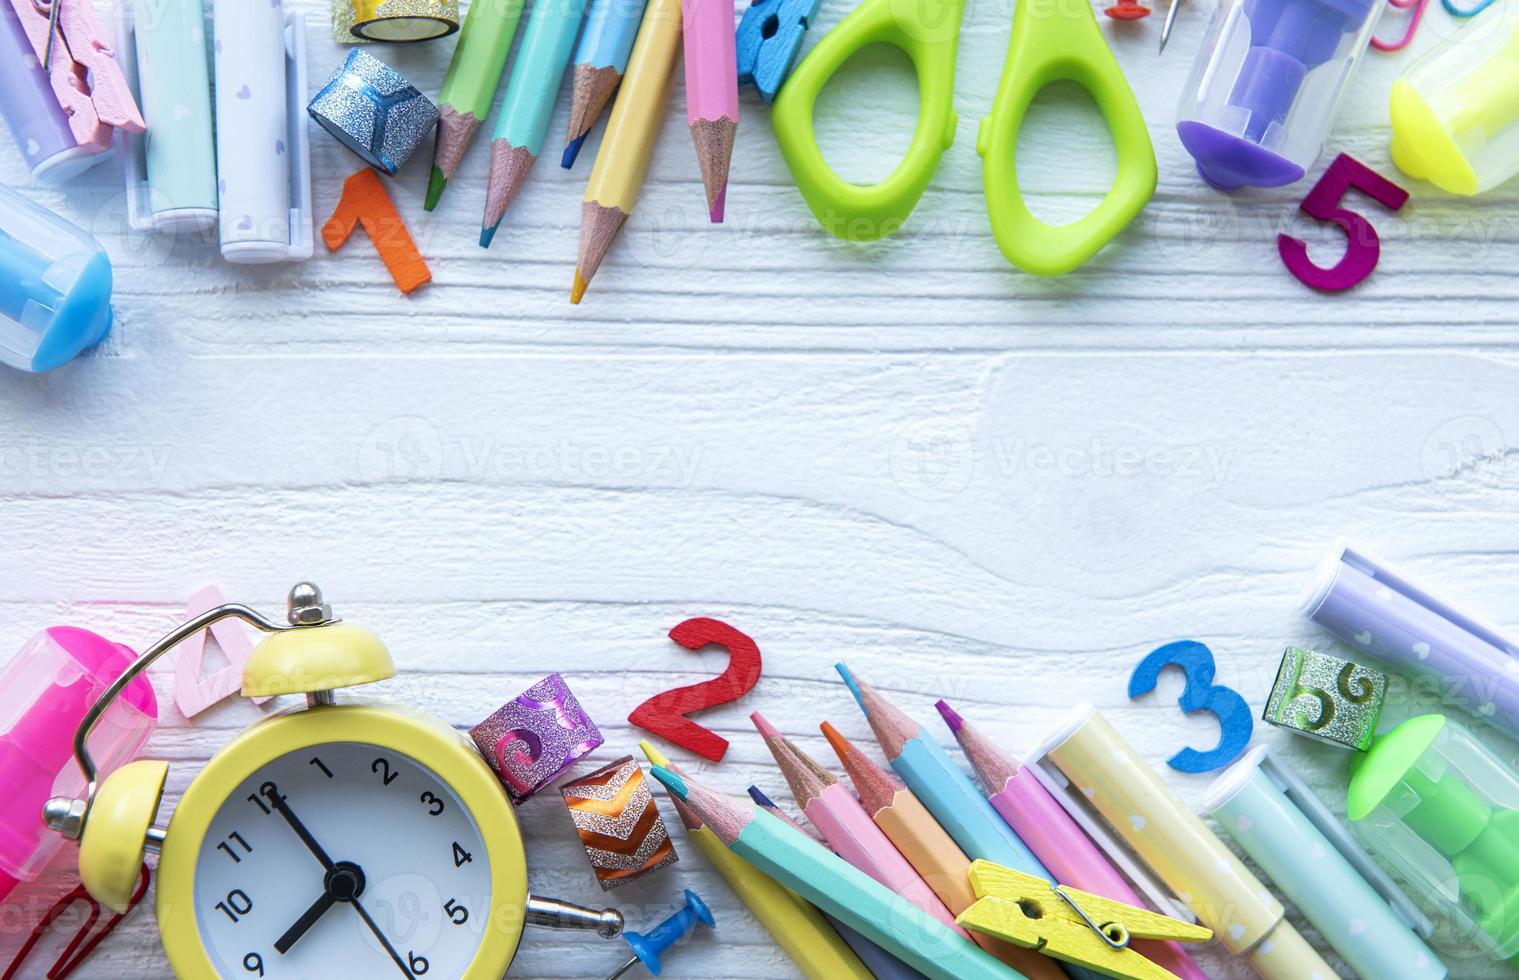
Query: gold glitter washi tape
357, 21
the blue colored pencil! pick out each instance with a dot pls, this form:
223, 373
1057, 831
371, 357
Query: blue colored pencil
837, 887
529, 101
600, 59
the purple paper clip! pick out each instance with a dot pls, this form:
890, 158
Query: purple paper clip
535, 737
1376, 610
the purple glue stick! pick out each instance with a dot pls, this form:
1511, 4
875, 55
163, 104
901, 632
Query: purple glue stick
1266, 85
1376, 610
45, 691
32, 112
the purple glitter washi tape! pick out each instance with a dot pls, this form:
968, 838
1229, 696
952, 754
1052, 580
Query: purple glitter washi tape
1375, 609
533, 738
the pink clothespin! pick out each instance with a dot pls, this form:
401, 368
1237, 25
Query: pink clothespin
82, 67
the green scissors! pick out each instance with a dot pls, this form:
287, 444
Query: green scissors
1052, 41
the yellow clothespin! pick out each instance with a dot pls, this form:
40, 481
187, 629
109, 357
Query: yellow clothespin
1070, 925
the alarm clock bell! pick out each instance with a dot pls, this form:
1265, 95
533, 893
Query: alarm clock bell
312, 654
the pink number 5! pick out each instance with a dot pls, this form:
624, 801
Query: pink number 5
1323, 202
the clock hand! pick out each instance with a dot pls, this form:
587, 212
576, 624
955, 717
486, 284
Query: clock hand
383, 941
272, 793
306, 921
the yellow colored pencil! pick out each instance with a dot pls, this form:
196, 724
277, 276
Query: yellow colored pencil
629, 140
797, 926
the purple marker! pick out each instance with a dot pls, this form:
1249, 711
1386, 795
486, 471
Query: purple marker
1376, 610
31, 110
1267, 84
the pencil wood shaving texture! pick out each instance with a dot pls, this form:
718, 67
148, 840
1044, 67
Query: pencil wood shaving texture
629, 141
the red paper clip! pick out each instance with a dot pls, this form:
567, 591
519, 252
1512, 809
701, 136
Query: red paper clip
1413, 25
79, 947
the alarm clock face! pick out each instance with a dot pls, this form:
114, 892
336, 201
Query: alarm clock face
342, 860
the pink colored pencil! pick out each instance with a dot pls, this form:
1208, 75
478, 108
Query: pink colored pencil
711, 93
1042, 823
846, 826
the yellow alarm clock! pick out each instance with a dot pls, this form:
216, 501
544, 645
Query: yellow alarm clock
334, 840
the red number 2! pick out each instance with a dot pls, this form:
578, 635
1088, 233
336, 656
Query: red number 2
1323, 202
665, 714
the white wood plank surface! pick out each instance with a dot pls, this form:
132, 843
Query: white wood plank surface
967, 481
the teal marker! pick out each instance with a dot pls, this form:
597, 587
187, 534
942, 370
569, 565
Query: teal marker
602, 57
530, 94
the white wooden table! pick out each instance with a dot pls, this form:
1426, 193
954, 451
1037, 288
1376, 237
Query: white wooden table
969, 482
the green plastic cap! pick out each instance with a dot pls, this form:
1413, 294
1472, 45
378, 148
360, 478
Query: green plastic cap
1374, 774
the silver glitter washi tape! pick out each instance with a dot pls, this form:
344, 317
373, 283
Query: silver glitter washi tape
374, 111
1326, 697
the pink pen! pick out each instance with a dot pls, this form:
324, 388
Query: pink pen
711, 92
1042, 823
846, 826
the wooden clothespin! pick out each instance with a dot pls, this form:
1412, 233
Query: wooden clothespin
82, 69
1075, 926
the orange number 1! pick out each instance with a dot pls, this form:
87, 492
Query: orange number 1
364, 201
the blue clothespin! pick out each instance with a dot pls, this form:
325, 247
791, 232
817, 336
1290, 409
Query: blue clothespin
769, 39
648, 947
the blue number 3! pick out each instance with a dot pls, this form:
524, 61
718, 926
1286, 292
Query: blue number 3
1235, 720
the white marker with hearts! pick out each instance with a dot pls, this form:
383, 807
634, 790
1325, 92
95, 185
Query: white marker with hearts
171, 169
1293, 837
262, 154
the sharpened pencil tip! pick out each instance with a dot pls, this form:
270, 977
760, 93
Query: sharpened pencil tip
655, 757
672, 782
578, 289
716, 214
836, 739
435, 184
571, 151
766, 729
950, 715
487, 233
758, 795
852, 684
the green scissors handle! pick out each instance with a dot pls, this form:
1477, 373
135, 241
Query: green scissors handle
1058, 41
928, 32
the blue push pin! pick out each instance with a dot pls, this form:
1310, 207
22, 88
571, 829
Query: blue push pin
648, 947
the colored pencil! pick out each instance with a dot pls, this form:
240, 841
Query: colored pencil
817, 949
846, 826
629, 141
600, 60
531, 90
1042, 823
838, 887
879, 962
711, 93
941, 785
470, 84
928, 847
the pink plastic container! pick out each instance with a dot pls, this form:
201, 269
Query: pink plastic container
45, 691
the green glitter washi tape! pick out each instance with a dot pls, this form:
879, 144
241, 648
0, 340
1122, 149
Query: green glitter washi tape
1328, 698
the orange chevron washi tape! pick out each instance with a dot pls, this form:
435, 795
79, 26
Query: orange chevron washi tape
618, 823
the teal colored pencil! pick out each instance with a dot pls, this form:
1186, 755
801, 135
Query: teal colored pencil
833, 885
530, 95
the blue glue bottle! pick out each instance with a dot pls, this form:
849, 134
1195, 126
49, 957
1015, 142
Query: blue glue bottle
1266, 86
648, 947
55, 286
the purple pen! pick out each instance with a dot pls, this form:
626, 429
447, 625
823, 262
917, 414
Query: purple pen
1380, 612
32, 112
1267, 84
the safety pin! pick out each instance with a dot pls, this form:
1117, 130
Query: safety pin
1122, 939
1413, 23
